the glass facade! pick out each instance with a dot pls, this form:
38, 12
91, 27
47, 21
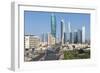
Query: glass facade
79, 36
53, 25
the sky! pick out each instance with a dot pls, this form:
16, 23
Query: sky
37, 23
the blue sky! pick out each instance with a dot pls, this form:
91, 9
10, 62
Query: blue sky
38, 22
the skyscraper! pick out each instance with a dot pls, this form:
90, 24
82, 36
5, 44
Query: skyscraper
79, 33
53, 25
66, 32
70, 37
69, 33
69, 27
44, 38
83, 34
75, 37
63, 32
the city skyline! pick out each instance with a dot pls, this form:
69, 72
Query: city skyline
56, 36
37, 23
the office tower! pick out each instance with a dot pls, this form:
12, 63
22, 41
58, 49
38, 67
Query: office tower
69, 33
83, 34
69, 27
49, 38
79, 36
58, 38
44, 38
65, 37
66, 32
53, 25
71, 39
63, 32
75, 37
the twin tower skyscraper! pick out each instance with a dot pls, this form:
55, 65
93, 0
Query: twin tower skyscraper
77, 36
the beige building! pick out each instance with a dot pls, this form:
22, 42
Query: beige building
31, 41
51, 39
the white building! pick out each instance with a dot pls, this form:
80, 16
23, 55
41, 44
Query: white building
83, 34
26, 41
69, 32
31, 41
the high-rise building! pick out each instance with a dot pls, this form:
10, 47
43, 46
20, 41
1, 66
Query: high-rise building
65, 37
69, 27
83, 34
75, 37
63, 34
58, 38
69, 33
79, 33
44, 39
66, 33
70, 37
53, 25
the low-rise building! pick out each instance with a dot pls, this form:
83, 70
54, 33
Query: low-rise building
31, 41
